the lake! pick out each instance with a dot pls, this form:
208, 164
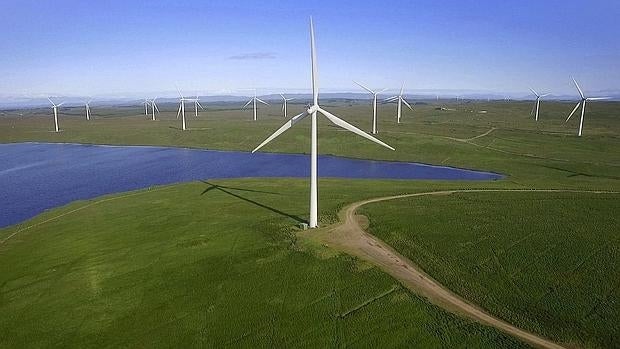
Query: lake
35, 177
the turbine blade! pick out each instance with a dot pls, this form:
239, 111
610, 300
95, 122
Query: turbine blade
533, 108
281, 95
339, 122
573, 112
364, 87
51, 101
200, 105
179, 112
578, 88
156, 107
260, 100
407, 104
283, 106
597, 98
382, 90
391, 99
402, 88
248, 103
545, 95
284, 127
534, 92
58, 105
315, 83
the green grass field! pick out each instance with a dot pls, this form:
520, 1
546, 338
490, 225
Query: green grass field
547, 262
175, 268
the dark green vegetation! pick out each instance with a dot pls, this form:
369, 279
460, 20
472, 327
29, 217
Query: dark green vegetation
249, 279
547, 262
197, 265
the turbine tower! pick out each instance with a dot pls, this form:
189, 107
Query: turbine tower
312, 111
583, 101
537, 104
400, 100
87, 105
285, 104
254, 100
374, 105
55, 107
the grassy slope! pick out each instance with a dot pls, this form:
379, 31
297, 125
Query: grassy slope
533, 155
178, 267
549, 262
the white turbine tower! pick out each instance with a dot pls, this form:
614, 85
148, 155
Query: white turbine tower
254, 100
182, 108
312, 111
154, 108
374, 105
55, 107
400, 100
87, 105
285, 104
537, 104
196, 105
583, 101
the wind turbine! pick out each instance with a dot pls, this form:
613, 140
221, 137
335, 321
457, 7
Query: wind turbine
55, 107
583, 101
154, 107
254, 100
312, 111
400, 100
87, 105
182, 108
285, 104
537, 104
196, 105
146, 106
374, 105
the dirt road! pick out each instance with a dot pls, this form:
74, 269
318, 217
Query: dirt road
349, 236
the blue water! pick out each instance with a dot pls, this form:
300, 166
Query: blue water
39, 176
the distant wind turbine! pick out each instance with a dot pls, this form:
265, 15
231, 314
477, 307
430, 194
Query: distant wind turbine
154, 107
55, 107
400, 100
285, 104
583, 101
537, 104
374, 105
196, 105
182, 108
312, 111
254, 100
146, 107
87, 105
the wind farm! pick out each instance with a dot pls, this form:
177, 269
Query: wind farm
431, 212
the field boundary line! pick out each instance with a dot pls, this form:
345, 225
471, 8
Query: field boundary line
348, 236
78, 209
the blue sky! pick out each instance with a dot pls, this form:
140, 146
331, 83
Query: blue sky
133, 48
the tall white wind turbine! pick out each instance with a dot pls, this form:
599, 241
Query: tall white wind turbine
55, 107
312, 111
146, 106
537, 104
400, 100
154, 108
582, 102
285, 104
254, 100
182, 108
197, 105
374, 105
87, 105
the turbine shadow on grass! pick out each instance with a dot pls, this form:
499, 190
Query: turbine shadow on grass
227, 190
